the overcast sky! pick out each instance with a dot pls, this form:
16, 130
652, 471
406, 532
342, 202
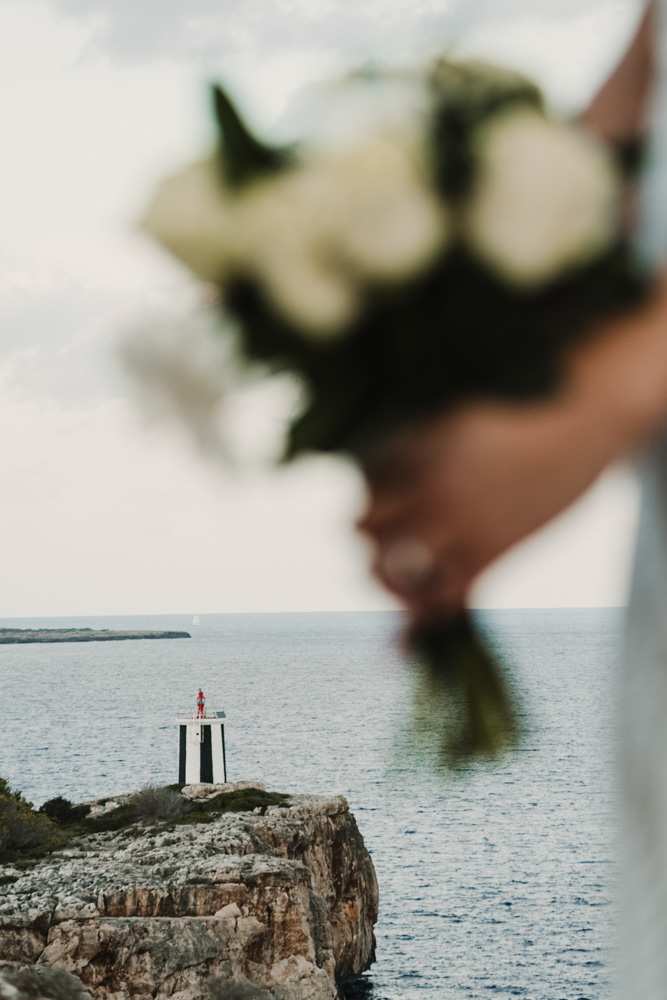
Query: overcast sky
99, 98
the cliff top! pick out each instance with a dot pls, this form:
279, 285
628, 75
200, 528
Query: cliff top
204, 850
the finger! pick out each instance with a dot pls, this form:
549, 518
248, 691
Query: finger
409, 562
417, 511
421, 575
387, 500
386, 516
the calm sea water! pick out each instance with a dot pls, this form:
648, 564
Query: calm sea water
496, 884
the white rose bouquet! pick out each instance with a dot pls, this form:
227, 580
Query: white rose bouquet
454, 246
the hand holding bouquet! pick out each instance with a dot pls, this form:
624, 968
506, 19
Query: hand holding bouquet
452, 249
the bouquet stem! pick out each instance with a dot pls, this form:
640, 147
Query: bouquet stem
477, 715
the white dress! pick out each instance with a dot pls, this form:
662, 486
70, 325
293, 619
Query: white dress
643, 714
643, 686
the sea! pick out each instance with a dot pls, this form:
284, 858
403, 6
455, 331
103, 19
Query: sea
496, 881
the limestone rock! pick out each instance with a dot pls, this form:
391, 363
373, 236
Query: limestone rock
280, 904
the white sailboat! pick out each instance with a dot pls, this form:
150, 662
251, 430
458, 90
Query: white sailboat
195, 620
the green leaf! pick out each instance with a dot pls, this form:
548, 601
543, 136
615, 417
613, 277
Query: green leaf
244, 157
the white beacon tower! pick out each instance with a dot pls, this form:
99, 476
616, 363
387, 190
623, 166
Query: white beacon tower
201, 754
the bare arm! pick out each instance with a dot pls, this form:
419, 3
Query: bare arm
619, 110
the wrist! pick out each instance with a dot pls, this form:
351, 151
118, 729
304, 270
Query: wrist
621, 374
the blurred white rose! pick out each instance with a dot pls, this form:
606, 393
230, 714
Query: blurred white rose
387, 222
285, 244
193, 215
545, 199
317, 300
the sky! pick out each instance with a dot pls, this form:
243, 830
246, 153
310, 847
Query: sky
104, 512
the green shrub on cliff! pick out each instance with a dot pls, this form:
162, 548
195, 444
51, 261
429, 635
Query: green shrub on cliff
114, 819
240, 800
23, 832
245, 800
63, 812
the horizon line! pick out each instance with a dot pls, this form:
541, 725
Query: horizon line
314, 611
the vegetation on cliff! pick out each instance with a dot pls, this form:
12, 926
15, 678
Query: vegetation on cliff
23, 831
26, 833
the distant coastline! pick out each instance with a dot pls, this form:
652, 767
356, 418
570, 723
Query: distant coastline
22, 635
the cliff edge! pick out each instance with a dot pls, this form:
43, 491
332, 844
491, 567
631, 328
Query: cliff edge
279, 902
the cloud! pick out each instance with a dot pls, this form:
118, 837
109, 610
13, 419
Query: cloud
102, 518
275, 45
506, 12
57, 343
203, 28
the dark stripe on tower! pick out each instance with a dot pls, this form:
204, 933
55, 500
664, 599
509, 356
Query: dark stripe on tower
206, 756
181, 756
224, 755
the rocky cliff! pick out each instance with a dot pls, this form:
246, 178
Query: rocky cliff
279, 902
